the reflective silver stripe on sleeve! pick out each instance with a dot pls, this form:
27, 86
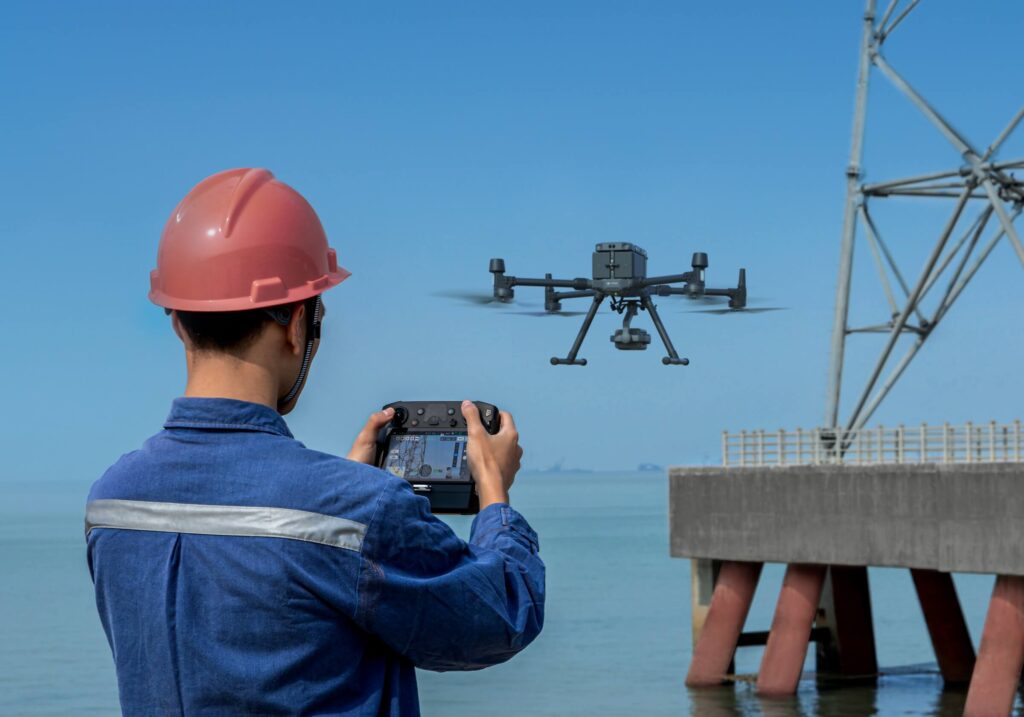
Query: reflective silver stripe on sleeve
255, 522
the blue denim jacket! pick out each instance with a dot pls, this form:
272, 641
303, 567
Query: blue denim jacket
239, 572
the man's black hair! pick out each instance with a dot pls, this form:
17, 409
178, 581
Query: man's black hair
223, 330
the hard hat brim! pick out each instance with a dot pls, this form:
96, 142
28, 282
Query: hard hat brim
264, 293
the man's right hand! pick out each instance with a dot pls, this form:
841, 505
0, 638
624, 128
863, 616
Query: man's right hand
493, 459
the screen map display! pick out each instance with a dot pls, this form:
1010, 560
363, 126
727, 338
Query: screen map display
428, 456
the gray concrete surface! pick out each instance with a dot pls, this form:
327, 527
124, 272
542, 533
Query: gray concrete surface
956, 518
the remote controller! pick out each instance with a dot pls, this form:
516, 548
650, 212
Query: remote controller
425, 444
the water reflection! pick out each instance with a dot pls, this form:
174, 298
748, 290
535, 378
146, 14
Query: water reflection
726, 701
830, 698
904, 693
950, 702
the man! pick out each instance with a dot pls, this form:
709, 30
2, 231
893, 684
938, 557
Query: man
238, 572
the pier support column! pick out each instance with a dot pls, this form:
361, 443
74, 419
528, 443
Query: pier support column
703, 574
783, 659
715, 644
1001, 655
954, 650
845, 611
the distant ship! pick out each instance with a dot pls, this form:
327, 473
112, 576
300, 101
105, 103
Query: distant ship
559, 468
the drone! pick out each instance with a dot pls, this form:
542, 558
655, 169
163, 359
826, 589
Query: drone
619, 275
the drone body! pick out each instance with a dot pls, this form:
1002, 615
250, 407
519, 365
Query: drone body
620, 275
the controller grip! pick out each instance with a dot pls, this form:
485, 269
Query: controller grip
489, 416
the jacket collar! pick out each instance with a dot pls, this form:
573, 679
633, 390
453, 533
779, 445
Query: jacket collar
225, 414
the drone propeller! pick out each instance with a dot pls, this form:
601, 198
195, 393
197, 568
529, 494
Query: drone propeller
723, 309
700, 298
547, 313
744, 310
479, 298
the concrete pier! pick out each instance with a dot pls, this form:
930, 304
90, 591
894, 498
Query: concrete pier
951, 518
828, 524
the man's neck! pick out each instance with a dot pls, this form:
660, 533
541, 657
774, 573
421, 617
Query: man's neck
213, 375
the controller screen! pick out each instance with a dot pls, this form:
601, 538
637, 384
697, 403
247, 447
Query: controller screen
428, 456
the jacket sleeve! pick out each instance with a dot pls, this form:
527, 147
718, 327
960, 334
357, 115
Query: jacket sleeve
442, 603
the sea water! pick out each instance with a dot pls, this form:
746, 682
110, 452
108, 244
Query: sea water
616, 640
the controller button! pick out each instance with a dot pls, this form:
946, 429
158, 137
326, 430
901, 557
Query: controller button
415, 422
453, 423
451, 411
434, 420
419, 411
487, 413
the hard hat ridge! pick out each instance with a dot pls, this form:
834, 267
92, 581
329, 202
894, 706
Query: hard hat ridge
252, 180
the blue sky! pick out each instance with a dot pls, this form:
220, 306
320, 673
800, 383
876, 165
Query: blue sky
433, 136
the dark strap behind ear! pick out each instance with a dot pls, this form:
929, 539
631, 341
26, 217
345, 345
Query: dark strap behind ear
314, 314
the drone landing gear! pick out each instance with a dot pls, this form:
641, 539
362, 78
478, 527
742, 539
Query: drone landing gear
673, 358
630, 339
571, 359
555, 361
627, 338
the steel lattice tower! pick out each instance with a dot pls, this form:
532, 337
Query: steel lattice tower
987, 199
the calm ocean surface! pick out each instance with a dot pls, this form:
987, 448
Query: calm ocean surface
616, 640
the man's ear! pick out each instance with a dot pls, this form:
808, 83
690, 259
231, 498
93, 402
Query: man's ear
176, 325
296, 332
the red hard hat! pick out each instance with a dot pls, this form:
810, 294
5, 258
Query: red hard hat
242, 240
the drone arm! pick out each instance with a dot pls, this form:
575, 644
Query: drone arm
720, 292
504, 284
559, 295
671, 279
663, 290
578, 284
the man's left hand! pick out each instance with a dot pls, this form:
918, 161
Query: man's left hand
364, 448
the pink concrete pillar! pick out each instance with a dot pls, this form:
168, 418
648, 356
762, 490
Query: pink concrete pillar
784, 655
954, 650
1001, 655
730, 603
